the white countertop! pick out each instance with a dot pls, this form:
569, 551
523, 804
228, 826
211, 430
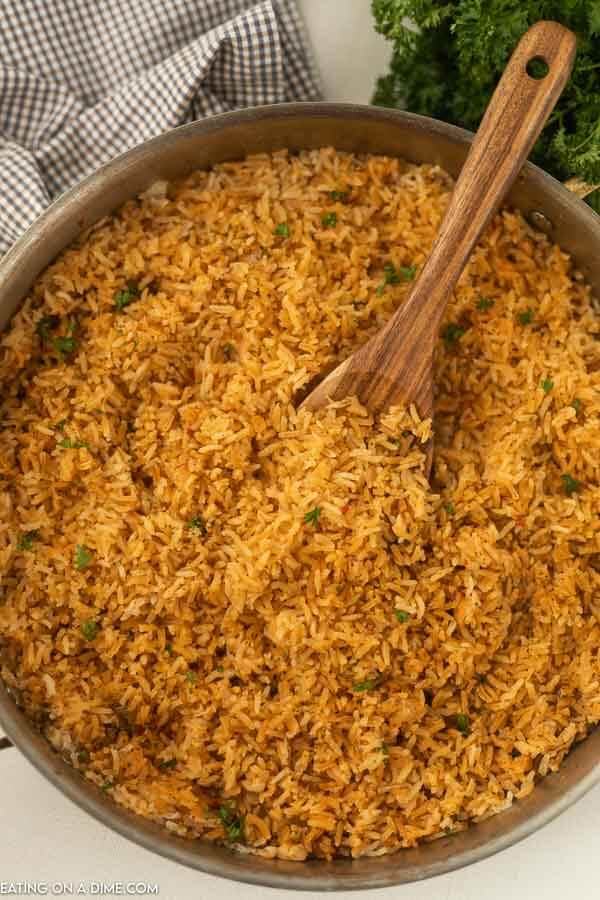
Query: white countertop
45, 838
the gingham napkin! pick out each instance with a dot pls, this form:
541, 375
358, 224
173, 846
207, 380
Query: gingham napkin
83, 80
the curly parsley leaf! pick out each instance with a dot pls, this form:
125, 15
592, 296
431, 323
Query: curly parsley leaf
449, 64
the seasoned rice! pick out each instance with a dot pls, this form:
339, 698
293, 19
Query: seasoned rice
263, 626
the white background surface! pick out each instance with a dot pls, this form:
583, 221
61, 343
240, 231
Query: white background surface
43, 837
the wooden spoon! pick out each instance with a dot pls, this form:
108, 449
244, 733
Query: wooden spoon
396, 365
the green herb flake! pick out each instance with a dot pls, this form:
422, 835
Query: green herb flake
90, 629
485, 303
384, 749
27, 538
547, 385
369, 684
169, 649
83, 757
64, 345
340, 196
219, 669
228, 351
60, 426
282, 230
106, 786
45, 325
165, 764
526, 317
72, 444
126, 296
83, 557
407, 273
449, 507
451, 333
576, 404
191, 677
402, 615
232, 823
198, 524
389, 274
312, 516
329, 220
570, 484
463, 724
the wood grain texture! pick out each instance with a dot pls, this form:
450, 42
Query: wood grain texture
396, 365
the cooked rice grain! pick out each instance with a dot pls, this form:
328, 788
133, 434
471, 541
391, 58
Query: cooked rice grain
274, 632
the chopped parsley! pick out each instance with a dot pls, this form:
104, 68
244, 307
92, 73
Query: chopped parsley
169, 649
547, 385
165, 764
576, 404
312, 516
385, 749
68, 443
219, 669
60, 426
126, 296
339, 196
485, 303
369, 684
329, 220
526, 317
27, 538
570, 484
45, 325
407, 273
451, 333
463, 724
402, 615
282, 230
83, 557
191, 676
90, 629
198, 524
228, 351
83, 756
64, 345
106, 786
449, 507
232, 823
390, 276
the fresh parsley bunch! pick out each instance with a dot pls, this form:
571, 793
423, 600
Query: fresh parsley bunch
448, 69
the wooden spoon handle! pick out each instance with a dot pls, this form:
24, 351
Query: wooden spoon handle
511, 125
395, 366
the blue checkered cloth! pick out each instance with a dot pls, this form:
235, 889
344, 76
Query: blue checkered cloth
83, 80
